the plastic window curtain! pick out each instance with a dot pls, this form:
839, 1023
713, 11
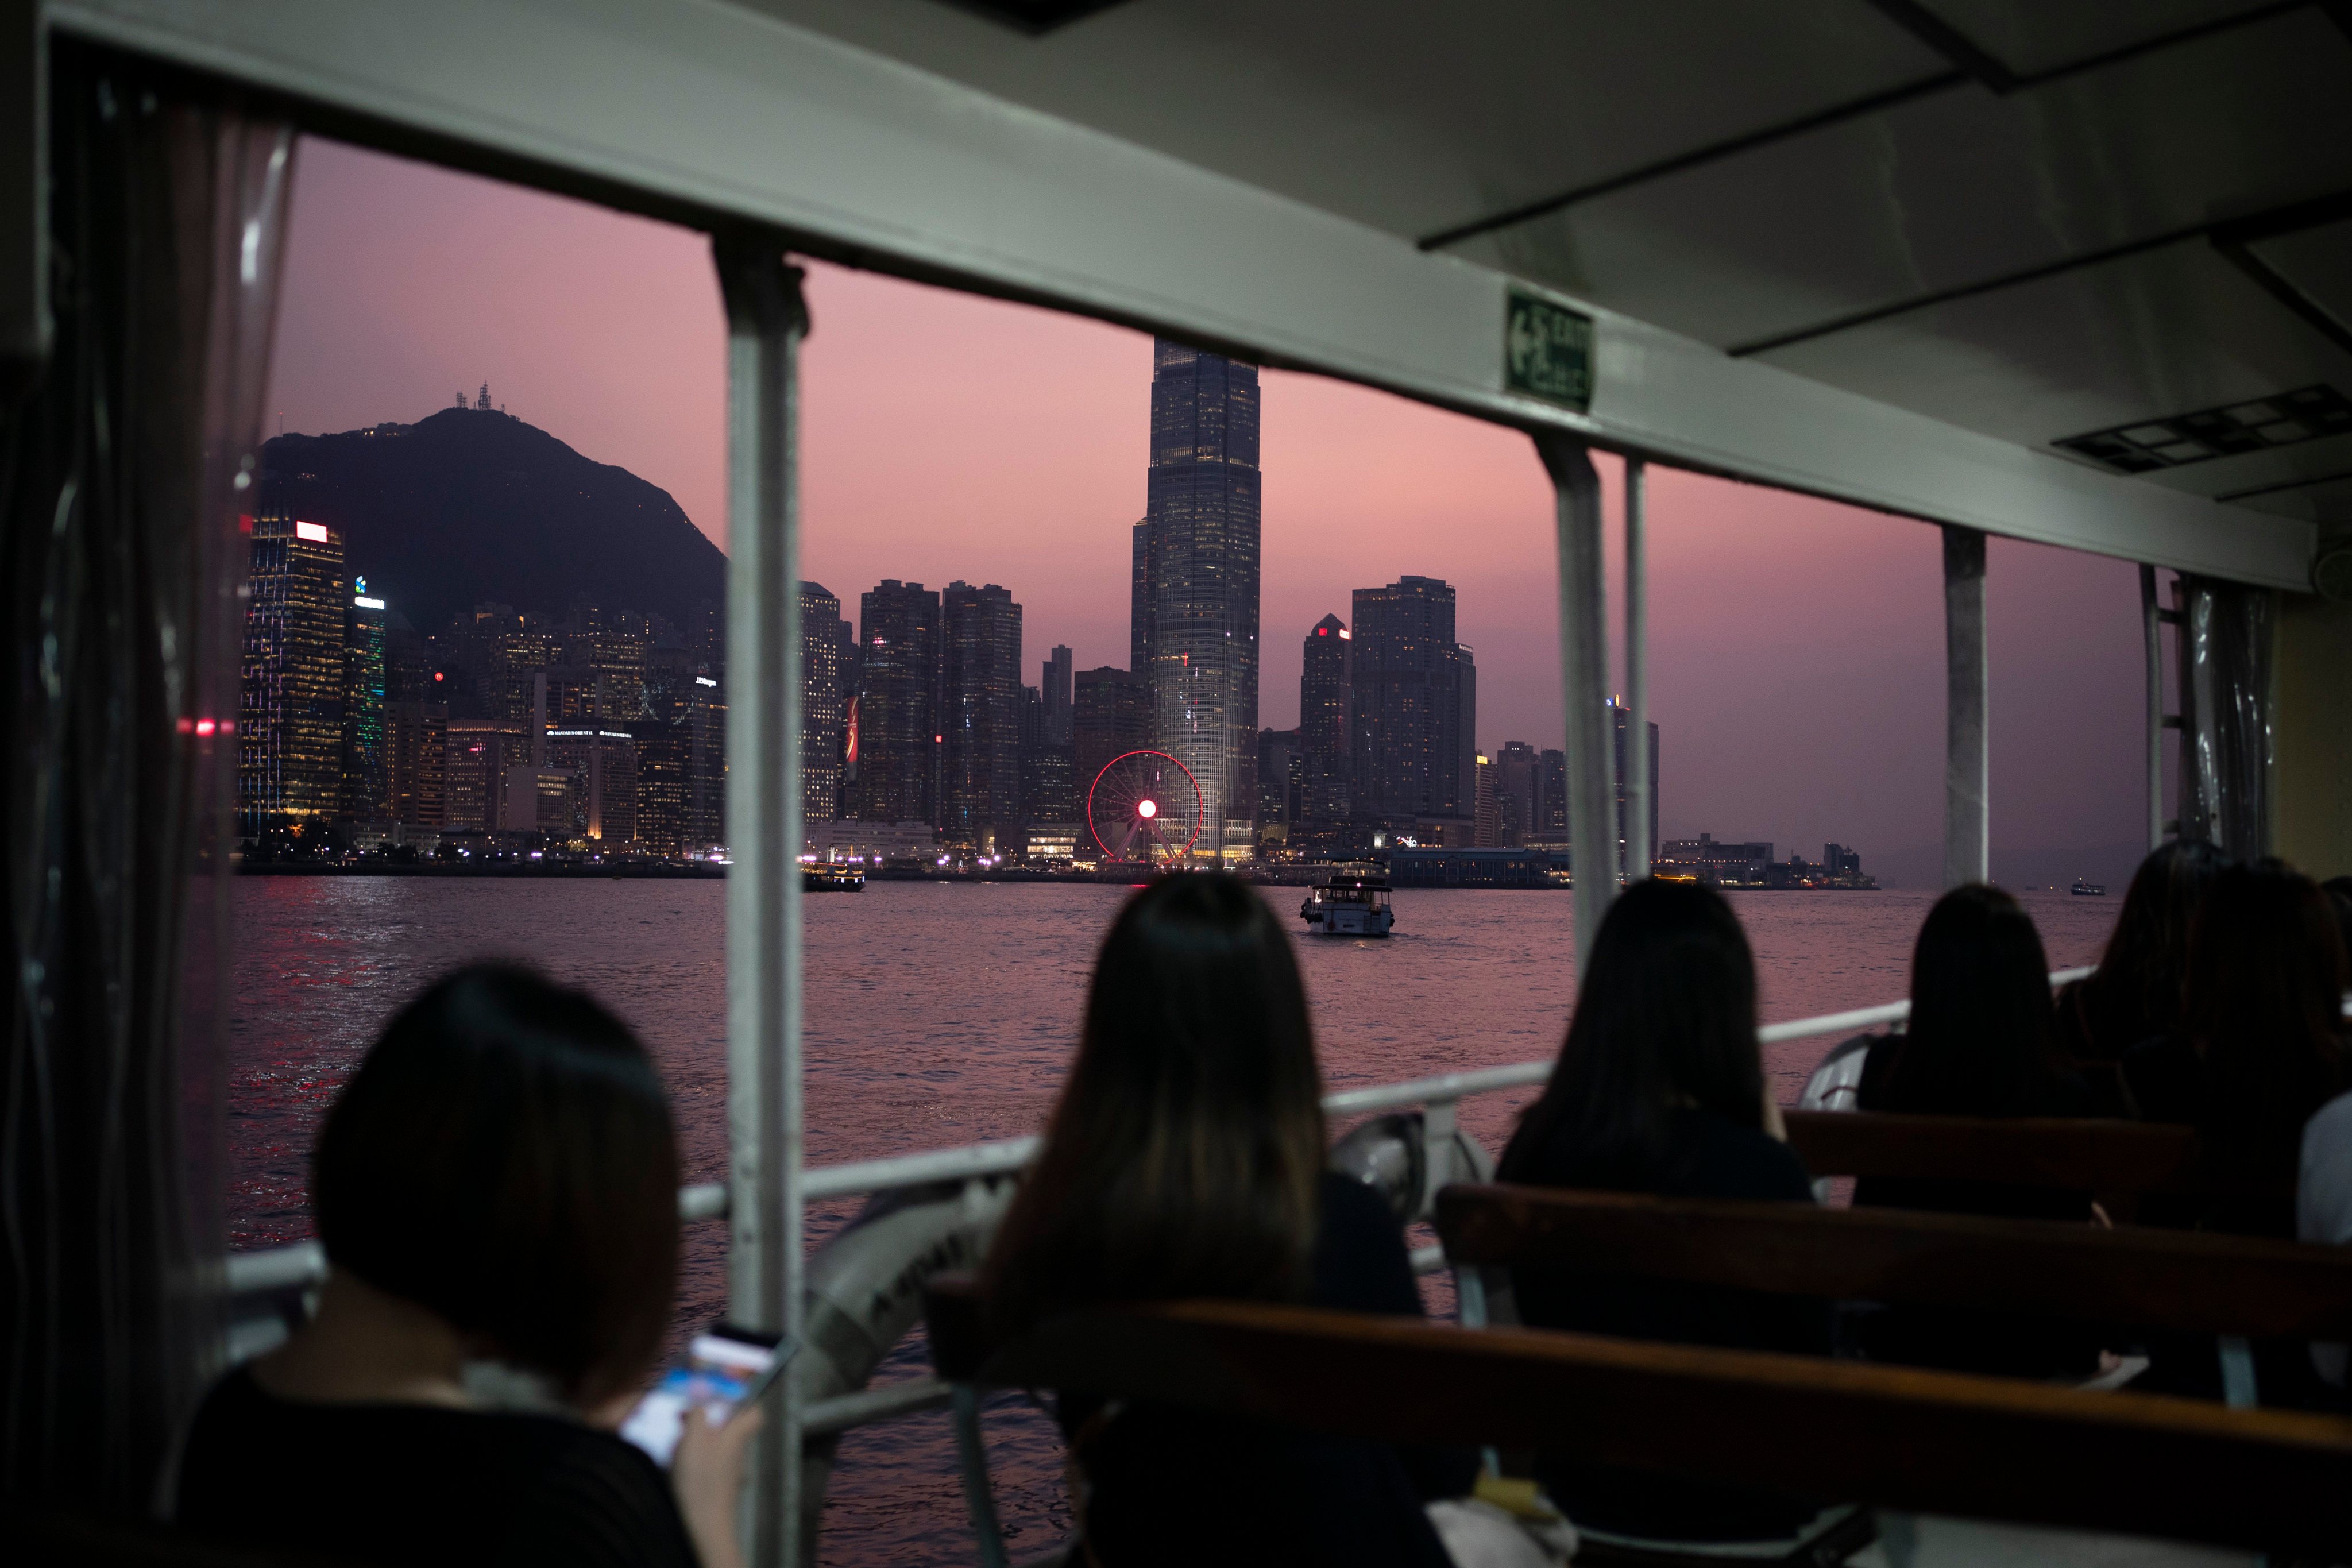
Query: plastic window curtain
2227, 741
123, 470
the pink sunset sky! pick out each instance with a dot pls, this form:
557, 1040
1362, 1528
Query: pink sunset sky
1795, 645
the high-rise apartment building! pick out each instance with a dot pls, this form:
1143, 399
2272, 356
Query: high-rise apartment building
823, 693
1196, 595
1055, 693
899, 739
1486, 823
980, 716
1326, 752
1553, 809
1110, 714
291, 679
367, 791
1416, 704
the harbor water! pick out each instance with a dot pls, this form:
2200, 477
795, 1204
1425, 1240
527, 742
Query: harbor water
942, 1013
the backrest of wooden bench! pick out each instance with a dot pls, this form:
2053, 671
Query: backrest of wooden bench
2070, 1154
2149, 1279
1933, 1442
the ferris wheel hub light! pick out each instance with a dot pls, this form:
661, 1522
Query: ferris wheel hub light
1148, 809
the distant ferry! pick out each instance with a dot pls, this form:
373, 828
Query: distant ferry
2083, 890
1349, 904
817, 876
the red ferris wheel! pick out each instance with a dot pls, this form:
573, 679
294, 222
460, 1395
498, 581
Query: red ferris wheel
1145, 808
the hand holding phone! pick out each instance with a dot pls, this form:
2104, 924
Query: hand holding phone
724, 1370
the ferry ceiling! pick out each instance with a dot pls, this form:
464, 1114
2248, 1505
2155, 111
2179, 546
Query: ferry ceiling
2074, 273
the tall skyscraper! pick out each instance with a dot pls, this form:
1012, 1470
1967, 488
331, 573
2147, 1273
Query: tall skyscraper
1281, 789
1196, 595
899, 734
1553, 811
606, 763
1047, 771
1055, 694
822, 693
1519, 794
289, 764
1485, 814
1620, 730
1416, 704
980, 715
416, 749
1325, 680
367, 788
480, 754
1110, 714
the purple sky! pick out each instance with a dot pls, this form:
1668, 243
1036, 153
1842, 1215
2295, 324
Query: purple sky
1795, 645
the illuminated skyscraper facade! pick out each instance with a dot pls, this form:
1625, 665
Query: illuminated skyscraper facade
1196, 592
366, 791
291, 679
1327, 756
823, 696
899, 734
980, 715
1416, 704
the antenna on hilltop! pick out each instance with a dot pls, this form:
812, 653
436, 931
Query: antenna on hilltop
483, 402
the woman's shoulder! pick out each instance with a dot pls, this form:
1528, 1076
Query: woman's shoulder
1721, 1159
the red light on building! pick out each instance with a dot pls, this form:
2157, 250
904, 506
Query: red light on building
187, 726
437, 677
1322, 631
205, 726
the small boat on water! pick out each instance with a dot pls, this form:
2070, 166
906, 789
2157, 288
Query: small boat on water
2083, 890
821, 878
1352, 903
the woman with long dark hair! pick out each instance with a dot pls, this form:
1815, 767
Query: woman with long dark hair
1659, 1089
1184, 1159
1983, 1041
2136, 992
497, 1182
2260, 1049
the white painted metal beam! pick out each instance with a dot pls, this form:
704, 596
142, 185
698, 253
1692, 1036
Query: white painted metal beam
711, 107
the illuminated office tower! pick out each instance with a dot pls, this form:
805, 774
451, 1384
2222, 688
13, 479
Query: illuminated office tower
1620, 728
899, 735
823, 674
477, 756
1416, 704
417, 754
1196, 595
980, 715
367, 790
605, 764
1110, 714
289, 774
1519, 794
1326, 754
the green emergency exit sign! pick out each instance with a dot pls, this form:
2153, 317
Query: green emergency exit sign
1548, 352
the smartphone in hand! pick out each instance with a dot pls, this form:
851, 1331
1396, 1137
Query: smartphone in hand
725, 1369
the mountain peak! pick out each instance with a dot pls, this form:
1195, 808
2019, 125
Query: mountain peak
474, 504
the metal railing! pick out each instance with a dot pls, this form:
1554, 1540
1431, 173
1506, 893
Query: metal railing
304, 1263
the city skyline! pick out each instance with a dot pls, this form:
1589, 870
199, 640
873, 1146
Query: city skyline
1796, 645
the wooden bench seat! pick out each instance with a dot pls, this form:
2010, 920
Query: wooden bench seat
2185, 1280
1925, 1441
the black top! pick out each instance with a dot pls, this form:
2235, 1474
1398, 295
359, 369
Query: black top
422, 1484
1999, 1344
1704, 1156
1170, 1486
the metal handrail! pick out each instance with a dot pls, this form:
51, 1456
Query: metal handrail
304, 1263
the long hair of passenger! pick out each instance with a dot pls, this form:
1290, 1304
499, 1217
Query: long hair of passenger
1982, 1037
2140, 977
2266, 978
1665, 1018
1182, 1157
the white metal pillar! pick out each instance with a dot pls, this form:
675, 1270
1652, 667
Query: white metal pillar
1638, 825
1968, 768
1584, 683
2151, 635
766, 320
